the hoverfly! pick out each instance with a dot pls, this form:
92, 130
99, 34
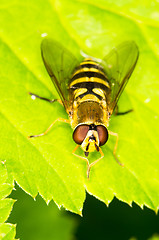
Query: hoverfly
89, 91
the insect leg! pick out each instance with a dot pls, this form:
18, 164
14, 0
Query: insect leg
115, 147
93, 163
48, 129
122, 113
83, 158
46, 99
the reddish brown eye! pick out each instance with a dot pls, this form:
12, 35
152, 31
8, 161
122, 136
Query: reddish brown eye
102, 134
80, 133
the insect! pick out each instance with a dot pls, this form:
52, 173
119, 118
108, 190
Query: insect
89, 90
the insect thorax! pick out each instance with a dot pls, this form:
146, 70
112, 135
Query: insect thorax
89, 112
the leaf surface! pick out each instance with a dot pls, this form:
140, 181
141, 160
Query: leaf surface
46, 165
7, 231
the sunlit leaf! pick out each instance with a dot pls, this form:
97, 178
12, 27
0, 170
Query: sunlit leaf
7, 231
46, 165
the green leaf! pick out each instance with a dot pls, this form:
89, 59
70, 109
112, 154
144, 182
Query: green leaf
6, 184
46, 165
5, 209
7, 231
33, 164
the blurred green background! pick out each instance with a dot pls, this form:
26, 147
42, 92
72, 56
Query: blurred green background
37, 221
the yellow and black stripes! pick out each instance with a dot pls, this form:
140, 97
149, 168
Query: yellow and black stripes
89, 76
89, 65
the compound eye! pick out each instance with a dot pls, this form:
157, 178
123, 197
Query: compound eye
80, 133
102, 134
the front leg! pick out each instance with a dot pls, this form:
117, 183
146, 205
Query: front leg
96, 161
89, 166
115, 147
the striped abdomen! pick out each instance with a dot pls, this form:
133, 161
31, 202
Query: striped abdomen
89, 88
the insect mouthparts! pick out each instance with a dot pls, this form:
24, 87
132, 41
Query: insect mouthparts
92, 137
86, 154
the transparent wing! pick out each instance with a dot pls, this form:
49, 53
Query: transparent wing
119, 65
60, 64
